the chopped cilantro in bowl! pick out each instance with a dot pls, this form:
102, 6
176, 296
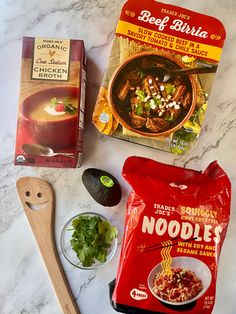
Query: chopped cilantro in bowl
88, 240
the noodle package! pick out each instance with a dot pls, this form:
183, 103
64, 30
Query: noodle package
176, 222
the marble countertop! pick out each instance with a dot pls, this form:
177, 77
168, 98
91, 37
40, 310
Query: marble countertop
24, 286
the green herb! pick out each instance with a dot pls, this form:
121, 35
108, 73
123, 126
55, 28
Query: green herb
54, 101
170, 117
186, 136
66, 102
170, 89
157, 100
141, 94
198, 115
181, 141
192, 126
183, 138
70, 108
139, 109
91, 239
148, 105
141, 73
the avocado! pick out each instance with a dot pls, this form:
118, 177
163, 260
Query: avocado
102, 186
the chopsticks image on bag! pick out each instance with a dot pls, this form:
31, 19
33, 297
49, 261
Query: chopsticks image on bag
160, 246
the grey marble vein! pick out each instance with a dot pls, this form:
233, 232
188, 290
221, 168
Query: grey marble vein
84, 285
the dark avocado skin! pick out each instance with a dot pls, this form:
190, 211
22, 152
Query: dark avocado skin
106, 196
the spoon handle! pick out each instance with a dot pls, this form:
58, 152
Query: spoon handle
64, 154
38, 201
206, 69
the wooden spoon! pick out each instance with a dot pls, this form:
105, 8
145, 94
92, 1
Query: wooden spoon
37, 197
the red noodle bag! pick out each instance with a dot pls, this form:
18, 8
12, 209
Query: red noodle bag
176, 222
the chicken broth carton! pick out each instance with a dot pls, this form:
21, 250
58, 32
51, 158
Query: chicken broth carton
51, 103
159, 76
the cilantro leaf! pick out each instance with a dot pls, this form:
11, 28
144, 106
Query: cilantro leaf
91, 239
148, 105
139, 109
53, 101
141, 73
170, 89
157, 100
170, 117
141, 94
68, 105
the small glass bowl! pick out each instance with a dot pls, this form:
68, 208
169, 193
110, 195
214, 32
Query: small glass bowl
70, 254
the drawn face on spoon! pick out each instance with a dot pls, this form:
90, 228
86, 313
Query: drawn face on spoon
34, 193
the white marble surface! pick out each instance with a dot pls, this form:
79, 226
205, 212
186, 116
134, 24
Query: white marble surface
24, 285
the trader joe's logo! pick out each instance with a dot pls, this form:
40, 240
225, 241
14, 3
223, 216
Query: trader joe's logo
51, 59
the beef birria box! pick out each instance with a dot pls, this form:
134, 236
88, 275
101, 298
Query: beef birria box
159, 75
51, 103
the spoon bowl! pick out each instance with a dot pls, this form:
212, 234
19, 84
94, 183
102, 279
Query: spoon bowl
40, 150
163, 74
